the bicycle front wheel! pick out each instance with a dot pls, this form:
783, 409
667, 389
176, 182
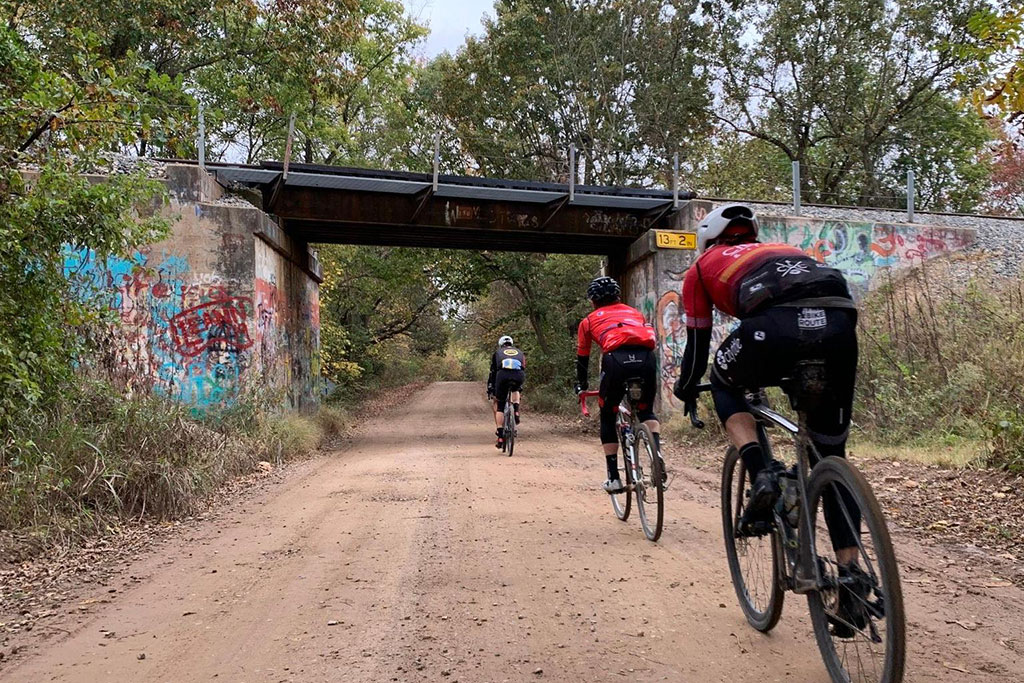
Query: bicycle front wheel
858, 614
650, 493
621, 501
753, 559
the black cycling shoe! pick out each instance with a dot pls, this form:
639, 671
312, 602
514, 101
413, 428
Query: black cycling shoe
765, 491
757, 517
852, 612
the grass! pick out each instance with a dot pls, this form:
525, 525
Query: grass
963, 453
96, 458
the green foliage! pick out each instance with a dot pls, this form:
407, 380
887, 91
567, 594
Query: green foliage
929, 370
999, 55
870, 88
625, 82
55, 208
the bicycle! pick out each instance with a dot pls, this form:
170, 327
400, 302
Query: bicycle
649, 488
509, 429
764, 562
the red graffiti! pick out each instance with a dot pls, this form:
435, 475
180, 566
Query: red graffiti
886, 245
820, 250
218, 325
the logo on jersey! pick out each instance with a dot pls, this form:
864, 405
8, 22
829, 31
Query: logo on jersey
789, 267
511, 352
738, 250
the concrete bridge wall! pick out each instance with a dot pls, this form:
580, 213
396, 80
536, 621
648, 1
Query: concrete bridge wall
227, 303
865, 251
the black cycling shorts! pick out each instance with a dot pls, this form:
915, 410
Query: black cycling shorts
766, 347
506, 381
617, 366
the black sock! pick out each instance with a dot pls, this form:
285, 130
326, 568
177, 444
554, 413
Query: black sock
753, 458
613, 466
499, 431
657, 442
515, 408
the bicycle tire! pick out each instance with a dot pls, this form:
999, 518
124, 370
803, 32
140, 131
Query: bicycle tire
510, 429
648, 485
622, 502
761, 617
830, 471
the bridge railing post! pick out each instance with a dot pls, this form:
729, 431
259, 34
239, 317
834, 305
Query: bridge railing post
288, 146
675, 180
572, 172
796, 188
910, 196
201, 143
437, 158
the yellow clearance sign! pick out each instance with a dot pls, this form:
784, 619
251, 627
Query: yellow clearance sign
676, 240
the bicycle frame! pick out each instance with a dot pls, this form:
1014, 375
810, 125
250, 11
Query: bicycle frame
790, 538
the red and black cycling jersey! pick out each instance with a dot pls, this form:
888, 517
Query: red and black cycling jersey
612, 327
742, 279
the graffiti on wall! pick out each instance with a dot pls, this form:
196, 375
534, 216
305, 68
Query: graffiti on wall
861, 250
181, 335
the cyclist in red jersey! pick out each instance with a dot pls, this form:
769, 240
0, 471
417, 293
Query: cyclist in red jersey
627, 342
791, 308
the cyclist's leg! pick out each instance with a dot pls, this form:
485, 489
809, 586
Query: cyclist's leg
828, 424
757, 354
501, 391
645, 408
515, 395
610, 393
741, 362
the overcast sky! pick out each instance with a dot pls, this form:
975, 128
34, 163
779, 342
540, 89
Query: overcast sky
449, 21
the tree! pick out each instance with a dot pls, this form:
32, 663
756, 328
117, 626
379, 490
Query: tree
60, 115
838, 84
1007, 196
545, 76
1000, 54
372, 296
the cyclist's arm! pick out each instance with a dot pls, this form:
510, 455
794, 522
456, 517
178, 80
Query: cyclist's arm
695, 361
490, 377
583, 342
698, 309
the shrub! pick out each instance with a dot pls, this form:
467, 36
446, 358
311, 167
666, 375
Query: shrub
942, 356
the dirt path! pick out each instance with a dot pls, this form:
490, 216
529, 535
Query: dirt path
419, 553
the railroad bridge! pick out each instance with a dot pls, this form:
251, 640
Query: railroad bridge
232, 296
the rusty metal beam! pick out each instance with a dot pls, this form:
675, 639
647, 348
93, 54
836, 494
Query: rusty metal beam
322, 204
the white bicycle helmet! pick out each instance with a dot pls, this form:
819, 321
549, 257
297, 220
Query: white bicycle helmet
505, 340
716, 223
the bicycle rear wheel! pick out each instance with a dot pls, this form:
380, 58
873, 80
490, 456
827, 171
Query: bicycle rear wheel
876, 647
753, 560
510, 429
621, 502
650, 494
